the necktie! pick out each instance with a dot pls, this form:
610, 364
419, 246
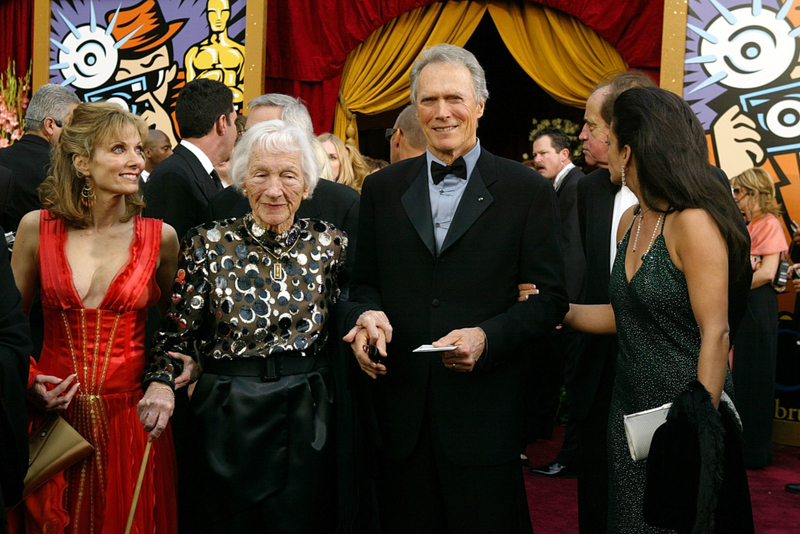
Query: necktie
216, 180
439, 171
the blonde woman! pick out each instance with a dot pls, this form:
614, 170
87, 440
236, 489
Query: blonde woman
347, 163
99, 267
755, 346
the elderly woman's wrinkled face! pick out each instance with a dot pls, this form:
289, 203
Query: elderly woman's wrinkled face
275, 187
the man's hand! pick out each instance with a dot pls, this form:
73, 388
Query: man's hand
372, 328
471, 343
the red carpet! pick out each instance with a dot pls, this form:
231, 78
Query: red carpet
554, 503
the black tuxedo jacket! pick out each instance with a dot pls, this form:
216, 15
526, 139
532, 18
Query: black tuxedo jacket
28, 160
331, 202
178, 191
15, 347
595, 199
504, 232
574, 263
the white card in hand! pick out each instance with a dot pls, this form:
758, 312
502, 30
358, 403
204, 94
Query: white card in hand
431, 348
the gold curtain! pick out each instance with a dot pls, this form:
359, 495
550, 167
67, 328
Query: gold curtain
375, 77
562, 55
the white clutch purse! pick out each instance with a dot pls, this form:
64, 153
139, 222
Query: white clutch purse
640, 427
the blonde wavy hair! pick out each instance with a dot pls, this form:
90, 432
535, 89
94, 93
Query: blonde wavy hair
352, 167
92, 125
760, 185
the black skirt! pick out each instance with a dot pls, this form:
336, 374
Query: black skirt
263, 453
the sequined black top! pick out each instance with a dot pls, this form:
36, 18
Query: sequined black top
242, 291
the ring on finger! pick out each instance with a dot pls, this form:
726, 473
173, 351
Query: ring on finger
454, 366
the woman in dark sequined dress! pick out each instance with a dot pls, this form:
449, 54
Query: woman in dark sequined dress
669, 283
251, 298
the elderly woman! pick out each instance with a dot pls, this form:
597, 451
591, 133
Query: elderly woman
253, 295
756, 344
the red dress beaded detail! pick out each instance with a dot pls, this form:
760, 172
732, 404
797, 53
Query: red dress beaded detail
105, 347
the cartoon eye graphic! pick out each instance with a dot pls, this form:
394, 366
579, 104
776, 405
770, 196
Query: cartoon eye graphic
87, 55
776, 111
746, 47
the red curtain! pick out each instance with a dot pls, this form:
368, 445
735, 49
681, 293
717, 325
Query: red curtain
16, 39
308, 40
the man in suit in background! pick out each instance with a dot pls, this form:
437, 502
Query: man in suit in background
551, 157
28, 159
444, 240
15, 348
157, 148
600, 206
179, 189
331, 202
406, 139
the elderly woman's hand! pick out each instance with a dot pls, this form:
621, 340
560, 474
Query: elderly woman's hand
156, 408
191, 370
52, 400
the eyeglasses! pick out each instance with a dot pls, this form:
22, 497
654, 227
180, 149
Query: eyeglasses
390, 133
736, 190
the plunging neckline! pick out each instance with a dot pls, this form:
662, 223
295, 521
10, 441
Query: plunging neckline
114, 280
629, 281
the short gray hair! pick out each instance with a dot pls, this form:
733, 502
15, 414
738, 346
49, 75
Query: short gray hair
293, 111
408, 122
50, 100
455, 55
275, 137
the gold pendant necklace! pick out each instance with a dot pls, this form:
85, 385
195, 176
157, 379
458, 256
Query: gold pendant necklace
255, 233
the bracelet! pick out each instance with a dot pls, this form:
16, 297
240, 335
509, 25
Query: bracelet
162, 386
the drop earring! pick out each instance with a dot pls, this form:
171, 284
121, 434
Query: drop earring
623, 177
88, 196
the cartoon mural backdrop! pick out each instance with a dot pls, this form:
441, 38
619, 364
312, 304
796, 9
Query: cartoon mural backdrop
140, 54
742, 79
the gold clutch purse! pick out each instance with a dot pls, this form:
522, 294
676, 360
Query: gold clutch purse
52, 448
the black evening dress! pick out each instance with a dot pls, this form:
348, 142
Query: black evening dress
659, 345
254, 306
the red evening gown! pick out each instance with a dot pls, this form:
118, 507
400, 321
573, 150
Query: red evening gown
105, 346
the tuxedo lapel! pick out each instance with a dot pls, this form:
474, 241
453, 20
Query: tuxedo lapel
417, 203
204, 182
475, 200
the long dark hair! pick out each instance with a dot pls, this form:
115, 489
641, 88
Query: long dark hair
669, 148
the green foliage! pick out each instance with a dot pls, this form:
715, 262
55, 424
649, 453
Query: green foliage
13, 103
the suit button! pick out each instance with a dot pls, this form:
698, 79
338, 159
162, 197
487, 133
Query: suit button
435, 303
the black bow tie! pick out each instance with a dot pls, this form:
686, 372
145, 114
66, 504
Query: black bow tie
439, 171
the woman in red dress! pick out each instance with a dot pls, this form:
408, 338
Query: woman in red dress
99, 267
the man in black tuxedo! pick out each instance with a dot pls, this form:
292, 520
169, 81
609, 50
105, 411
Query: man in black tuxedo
180, 187
28, 159
331, 202
551, 157
444, 240
15, 348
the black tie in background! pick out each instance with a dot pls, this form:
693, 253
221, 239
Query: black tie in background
217, 181
439, 171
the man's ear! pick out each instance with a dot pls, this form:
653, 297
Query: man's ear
222, 125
